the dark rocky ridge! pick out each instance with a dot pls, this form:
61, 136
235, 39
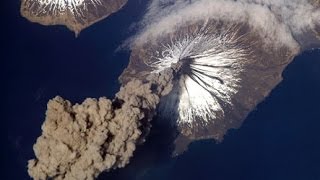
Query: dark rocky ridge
74, 17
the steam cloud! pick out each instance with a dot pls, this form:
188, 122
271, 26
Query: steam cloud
280, 21
83, 140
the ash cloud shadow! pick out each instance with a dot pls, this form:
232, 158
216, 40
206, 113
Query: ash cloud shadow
156, 151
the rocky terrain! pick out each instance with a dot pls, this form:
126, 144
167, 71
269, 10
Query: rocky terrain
232, 83
76, 15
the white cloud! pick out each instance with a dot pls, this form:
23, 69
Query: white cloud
277, 21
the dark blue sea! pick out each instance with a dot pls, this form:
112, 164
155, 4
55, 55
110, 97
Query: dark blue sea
279, 140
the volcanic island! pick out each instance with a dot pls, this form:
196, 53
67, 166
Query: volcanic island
76, 15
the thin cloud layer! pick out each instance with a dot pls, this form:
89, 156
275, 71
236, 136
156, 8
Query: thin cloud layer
278, 21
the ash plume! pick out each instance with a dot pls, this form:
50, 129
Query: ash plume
80, 141
202, 64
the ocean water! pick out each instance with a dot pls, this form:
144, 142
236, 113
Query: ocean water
279, 140
41, 62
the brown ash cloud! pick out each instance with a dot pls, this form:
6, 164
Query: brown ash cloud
80, 141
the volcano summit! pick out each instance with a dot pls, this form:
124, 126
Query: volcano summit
75, 14
231, 54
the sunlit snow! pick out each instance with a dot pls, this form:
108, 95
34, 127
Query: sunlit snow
210, 66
